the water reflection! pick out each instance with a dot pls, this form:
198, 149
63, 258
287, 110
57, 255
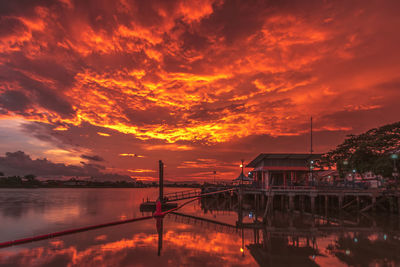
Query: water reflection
210, 233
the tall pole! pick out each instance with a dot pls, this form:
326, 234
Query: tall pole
242, 175
311, 152
240, 213
161, 180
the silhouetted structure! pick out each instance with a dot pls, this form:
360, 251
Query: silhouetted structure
282, 169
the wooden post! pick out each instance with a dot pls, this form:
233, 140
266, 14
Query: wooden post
291, 178
358, 203
262, 201
340, 198
284, 180
391, 205
291, 202
161, 180
398, 206
326, 204
312, 203
374, 203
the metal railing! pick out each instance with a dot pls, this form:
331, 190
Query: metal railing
182, 195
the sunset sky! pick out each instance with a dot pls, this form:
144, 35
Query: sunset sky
114, 86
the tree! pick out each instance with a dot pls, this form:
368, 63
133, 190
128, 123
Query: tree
30, 177
369, 151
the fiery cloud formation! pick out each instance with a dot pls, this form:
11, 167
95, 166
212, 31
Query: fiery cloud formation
185, 76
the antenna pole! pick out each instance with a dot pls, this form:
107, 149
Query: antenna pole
311, 150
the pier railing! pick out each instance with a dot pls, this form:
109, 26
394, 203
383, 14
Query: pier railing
186, 194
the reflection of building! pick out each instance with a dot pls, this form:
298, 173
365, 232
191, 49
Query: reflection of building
300, 239
273, 255
283, 169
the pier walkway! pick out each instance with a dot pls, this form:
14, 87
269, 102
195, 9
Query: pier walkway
193, 193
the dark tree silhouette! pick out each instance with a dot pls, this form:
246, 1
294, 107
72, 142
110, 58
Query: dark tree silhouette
30, 177
369, 151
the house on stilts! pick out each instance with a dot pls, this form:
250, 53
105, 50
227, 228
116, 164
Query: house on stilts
283, 170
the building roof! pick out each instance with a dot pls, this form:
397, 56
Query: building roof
243, 177
263, 156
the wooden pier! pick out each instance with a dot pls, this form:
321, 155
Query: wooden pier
320, 199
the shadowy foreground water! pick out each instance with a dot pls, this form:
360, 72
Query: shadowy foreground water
203, 233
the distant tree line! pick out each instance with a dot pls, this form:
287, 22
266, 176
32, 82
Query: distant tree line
31, 181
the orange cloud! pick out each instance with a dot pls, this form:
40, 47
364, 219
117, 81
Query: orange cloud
189, 74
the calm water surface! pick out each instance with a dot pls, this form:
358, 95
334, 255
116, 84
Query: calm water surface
202, 234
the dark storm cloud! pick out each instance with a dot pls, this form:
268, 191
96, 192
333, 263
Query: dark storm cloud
43, 67
152, 115
14, 101
194, 41
24, 7
43, 95
19, 163
236, 19
206, 112
10, 26
92, 158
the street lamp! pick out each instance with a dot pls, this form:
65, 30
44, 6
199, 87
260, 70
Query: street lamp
311, 172
345, 163
242, 175
354, 173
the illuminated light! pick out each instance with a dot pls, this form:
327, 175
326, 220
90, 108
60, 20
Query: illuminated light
131, 155
354, 171
241, 250
60, 128
141, 171
384, 237
103, 134
355, 239
394, 156
173, 147
101, 238
241, 165
347, 252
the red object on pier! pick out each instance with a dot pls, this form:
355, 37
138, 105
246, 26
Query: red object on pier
158, 212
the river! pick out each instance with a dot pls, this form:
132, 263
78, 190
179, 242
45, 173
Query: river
202, 234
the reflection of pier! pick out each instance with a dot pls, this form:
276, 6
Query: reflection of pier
203, 222
293, 239
310, 229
